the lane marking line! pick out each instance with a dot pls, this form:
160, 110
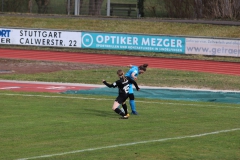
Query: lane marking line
13, 87
130, 144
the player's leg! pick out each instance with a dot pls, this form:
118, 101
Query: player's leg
131, 99
124, 106
121, 108
132, 103
116, 109
119, 100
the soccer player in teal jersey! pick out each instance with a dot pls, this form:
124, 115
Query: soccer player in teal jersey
133, 73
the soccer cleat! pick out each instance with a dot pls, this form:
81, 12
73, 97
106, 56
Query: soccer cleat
128, 115
134, 113
123, 117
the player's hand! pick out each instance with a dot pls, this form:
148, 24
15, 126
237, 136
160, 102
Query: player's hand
103, 80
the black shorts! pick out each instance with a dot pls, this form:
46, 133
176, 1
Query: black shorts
121, 98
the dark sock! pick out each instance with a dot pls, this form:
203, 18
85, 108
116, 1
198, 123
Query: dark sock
125, 108
118, 111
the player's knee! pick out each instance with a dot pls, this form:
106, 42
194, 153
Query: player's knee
115, 105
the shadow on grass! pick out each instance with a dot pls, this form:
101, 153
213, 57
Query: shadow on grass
101, 113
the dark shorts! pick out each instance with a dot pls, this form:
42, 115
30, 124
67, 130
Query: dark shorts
121, 98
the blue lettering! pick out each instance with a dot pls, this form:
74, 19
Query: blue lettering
5, 33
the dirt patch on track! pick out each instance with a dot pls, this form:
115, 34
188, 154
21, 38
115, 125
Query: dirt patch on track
8, 66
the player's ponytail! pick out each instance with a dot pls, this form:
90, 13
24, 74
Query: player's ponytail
143, 67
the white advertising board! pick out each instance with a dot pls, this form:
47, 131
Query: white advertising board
216, 47
39, 37
150, 43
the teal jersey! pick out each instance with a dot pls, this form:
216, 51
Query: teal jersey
133, 69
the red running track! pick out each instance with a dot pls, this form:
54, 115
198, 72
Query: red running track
42, 86
118, 60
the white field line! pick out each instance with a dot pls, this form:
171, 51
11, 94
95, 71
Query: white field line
101, 86
130, 144
104, 99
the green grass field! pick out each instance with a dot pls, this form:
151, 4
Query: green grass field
53, 126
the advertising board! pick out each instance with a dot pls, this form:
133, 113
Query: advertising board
37, 37
133, 42
214, 47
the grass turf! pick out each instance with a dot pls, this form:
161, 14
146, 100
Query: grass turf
34, 124
153, 77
